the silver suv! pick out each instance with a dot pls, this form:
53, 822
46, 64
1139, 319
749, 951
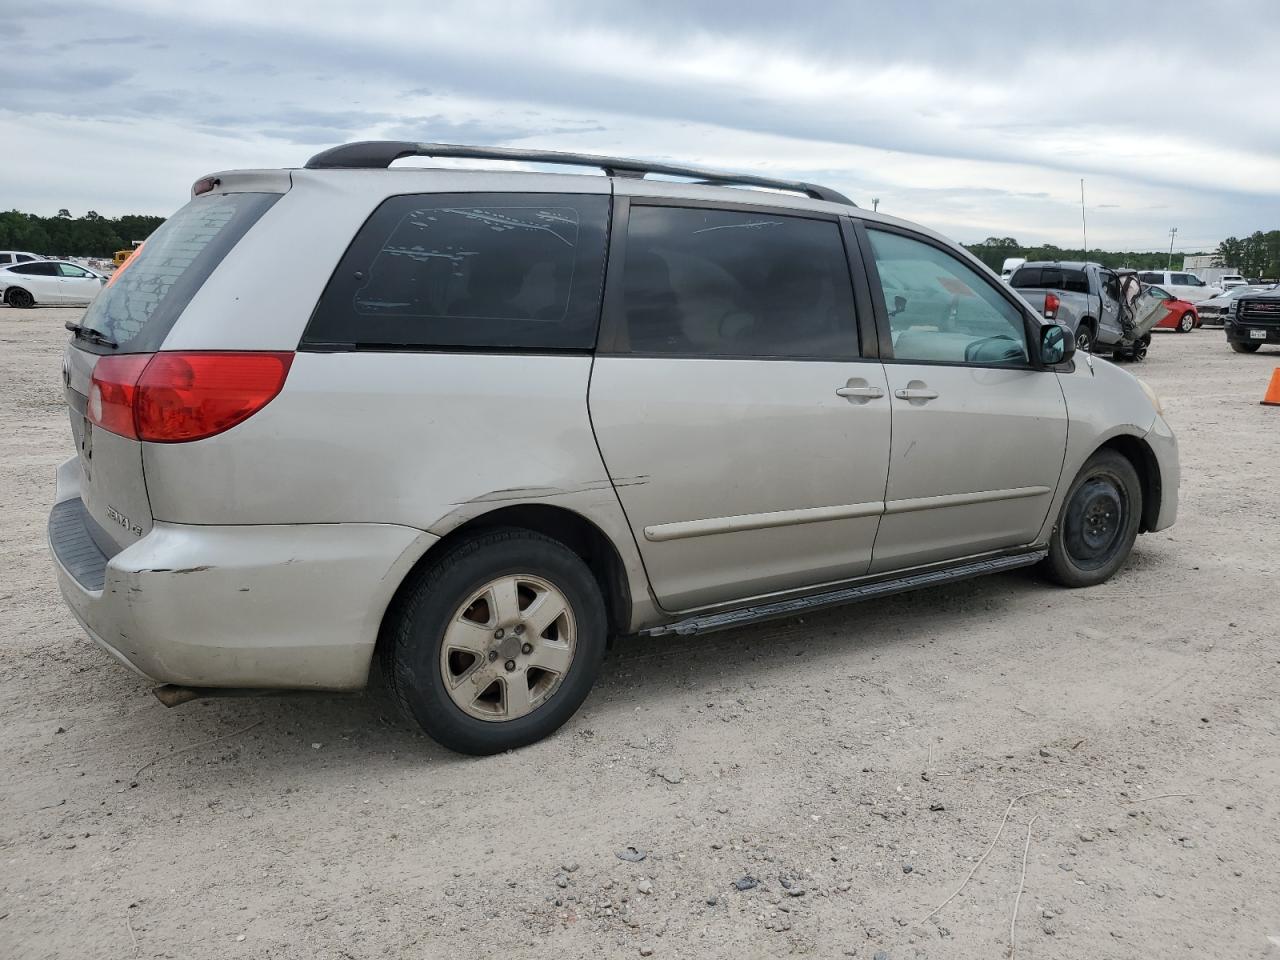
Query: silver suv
472, 424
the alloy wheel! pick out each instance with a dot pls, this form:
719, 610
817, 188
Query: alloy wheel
508, 647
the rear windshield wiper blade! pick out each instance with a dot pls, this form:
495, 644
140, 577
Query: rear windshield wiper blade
93, 336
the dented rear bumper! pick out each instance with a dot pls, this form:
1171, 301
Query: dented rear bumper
265, 606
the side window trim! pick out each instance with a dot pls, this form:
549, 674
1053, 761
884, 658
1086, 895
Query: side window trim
863, 301
612, 338
884, 335
882, 317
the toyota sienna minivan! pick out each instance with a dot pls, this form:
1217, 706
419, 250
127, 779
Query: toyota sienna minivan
472, 424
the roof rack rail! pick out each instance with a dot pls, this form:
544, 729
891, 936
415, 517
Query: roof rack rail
375, 154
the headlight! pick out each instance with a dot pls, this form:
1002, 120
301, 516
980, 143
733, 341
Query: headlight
1151, 395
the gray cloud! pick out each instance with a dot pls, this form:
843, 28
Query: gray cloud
954, 97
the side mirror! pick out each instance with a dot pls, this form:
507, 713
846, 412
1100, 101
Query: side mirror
1057, 345
899, 304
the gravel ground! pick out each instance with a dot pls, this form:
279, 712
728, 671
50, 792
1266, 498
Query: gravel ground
856, 764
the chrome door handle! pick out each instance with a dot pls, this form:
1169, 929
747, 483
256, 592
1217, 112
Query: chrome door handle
915, 393
860, 393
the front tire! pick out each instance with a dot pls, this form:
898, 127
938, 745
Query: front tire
496, 643
20, 298
1244, 346
1098, 522
1186, 322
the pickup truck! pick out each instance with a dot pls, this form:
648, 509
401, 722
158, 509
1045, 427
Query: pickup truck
1084, 297
1253, 319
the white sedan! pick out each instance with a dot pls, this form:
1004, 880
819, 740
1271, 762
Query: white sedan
49, 282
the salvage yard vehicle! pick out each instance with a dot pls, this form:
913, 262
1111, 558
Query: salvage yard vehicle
1253, 319
1086, 299
1215, 309
472, 424
9, 257
1177, 314
1181, 284
48, 283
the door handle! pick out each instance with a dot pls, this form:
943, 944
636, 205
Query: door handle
859, 393
916, 393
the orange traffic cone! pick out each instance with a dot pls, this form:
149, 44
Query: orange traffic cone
1272, 396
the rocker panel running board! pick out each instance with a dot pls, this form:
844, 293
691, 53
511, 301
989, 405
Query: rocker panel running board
706, 623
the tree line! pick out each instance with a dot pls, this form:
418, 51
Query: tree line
1257, 255
995, 250
63, 235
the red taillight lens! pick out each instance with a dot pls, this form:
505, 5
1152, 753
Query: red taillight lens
1051, 303
190, 396
112, 390
179, 396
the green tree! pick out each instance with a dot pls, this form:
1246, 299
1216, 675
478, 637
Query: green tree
63, 235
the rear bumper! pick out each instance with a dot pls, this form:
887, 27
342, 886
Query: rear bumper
1240, 331
1164, 445
266, 606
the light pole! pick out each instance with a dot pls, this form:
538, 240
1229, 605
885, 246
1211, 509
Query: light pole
875, 204
1173, 232
1084, 224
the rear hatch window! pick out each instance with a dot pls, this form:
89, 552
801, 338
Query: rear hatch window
1050, 278
140, 306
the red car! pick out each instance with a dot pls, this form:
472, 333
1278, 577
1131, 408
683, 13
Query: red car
1180, 314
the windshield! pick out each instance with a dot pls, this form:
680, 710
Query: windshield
139, 308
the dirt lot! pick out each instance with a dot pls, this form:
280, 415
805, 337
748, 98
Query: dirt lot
857, 763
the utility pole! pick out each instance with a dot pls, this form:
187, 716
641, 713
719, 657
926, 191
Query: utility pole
1084, 225
875, 204
1173, 232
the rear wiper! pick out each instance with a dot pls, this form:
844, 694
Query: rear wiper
93, 336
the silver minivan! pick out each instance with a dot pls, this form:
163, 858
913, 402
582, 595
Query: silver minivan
472, 424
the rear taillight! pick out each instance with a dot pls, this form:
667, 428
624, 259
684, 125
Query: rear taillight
112, 391
174, 397
1051, 303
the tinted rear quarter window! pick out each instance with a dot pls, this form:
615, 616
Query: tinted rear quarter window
709, 282
139, 307
469, 271
37, 269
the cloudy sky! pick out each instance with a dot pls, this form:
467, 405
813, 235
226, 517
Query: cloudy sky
977, 119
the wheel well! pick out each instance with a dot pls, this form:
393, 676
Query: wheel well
8, 290
571, 529
1089, 322
1136, 451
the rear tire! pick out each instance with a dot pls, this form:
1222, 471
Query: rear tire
1085, 337
467, 656
19, 298
1098, 522
1186, 322
1244, 347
